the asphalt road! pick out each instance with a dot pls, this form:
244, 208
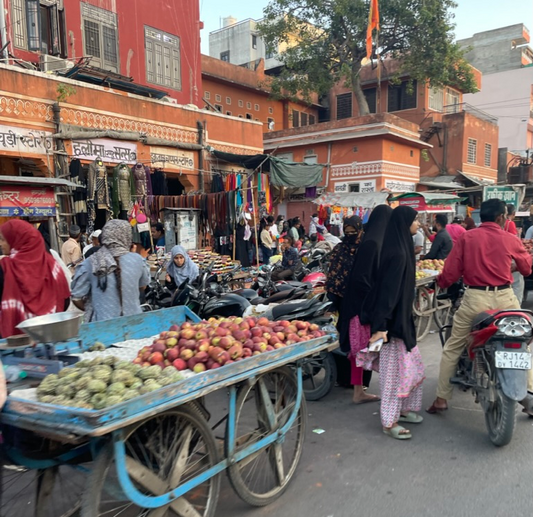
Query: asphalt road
448, 469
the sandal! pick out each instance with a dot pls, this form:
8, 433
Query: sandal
395, 432
433, 410
372, 398
411, 417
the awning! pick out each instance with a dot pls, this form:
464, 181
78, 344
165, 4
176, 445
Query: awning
444, 182
353, 199
37, 180
431, 198
282, 172
476, 179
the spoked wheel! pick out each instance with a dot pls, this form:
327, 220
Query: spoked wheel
319, 375
52, 492
443, 309
421, 308
500, 416
162, 453
262, 408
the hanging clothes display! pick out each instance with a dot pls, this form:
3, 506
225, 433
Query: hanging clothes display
123, 190
78, 175
159, 183
98, 199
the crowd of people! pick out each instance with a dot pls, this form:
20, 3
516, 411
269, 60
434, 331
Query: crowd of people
371, 282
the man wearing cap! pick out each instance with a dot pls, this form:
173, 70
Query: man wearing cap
94, 242
71, 251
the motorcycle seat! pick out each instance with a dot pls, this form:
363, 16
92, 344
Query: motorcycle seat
482, 320
286, 309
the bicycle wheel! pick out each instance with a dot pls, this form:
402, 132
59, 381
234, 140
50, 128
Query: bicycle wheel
443, 308
319, 375
262, 477
422, 315
162, 453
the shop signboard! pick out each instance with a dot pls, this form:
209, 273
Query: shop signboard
364, 186
25, 141
420, 205
27, 201
111, 151
506, 194
399, 186
171, 159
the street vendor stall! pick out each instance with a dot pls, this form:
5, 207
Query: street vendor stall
156, 450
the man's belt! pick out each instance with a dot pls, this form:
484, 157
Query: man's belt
489, 287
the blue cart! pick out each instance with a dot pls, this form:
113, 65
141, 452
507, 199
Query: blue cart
157, 455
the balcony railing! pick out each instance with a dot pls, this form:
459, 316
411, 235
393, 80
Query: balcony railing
468, 108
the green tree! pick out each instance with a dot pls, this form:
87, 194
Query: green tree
324, 41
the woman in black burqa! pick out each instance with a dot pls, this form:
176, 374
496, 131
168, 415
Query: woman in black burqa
363, 276
389, 312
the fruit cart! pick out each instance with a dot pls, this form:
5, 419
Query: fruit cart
157, 454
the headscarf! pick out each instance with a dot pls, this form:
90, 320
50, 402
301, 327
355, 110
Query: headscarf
343, 256
116, 241
186, 273
470, 223
34, 283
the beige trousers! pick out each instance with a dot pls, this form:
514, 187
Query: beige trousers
474, 302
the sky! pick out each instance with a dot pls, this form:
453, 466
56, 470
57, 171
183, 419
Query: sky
471, 16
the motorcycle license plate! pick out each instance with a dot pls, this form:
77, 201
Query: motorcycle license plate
513, 360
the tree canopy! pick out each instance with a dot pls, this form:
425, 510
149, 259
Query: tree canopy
322, 43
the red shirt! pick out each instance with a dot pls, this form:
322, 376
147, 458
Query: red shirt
483, 257
455, 231
510, 227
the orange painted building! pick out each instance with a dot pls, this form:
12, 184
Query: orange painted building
361, 154
243, 93
464, 139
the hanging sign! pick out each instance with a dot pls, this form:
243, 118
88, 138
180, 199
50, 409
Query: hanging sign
399, 186
171, 159
114, 151
26, 201
420, 205
506, 194
364, 186
25, 141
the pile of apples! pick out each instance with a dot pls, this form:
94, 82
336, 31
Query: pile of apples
217, 342
528, 244
434, 265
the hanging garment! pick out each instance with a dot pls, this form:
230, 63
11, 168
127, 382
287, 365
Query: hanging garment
123, 189
139, 177
78, 175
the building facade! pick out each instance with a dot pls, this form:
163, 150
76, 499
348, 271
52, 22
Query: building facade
244, 93
155, 47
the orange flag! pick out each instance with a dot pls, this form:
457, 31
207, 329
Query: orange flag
373, 23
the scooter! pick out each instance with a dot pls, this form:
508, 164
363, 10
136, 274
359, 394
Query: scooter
495, 367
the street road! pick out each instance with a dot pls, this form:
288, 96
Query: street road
448, 469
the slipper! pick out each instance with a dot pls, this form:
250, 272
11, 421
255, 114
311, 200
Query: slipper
394, 432
433, 410
412, 418
375, 398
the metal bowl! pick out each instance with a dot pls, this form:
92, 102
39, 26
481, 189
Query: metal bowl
52, 328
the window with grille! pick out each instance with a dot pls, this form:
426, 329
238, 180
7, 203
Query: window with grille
218, 98
312, 120
249, 105
452, 97
100, 37
228, 100
18, 21
402, 96
303, 119
163, 58
472, 151
371, 99
295, 118
224, 56
436, 99
488, 154
207, 95
241, 104
344, 106
256, 107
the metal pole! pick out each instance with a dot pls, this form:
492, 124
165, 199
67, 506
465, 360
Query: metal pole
3, 31
255, 225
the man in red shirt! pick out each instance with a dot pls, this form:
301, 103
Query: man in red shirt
510, 225
483, 257
455, 229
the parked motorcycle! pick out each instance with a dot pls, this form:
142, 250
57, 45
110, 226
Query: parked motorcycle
495, 367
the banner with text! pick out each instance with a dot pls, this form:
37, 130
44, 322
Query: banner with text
24, 141
27, 201
171, 159
112, 151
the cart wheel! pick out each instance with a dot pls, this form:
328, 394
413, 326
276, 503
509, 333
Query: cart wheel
52, 492
421, 307
263, 476
319, 375
443, 308
162, 453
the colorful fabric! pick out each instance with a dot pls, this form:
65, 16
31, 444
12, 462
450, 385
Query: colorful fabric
116, 241
401, 374
34, 283
359, 336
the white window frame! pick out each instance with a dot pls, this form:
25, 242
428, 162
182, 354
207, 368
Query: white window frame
488, 155
436, 99
453, 97
471, 155
241, 103
218, 98
256, 107
249, 105
104, 20
207, 95
228, 101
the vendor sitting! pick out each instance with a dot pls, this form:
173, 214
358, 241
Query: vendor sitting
180, 269
290, 261
158, 235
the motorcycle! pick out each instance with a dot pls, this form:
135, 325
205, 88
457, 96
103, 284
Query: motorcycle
495, 367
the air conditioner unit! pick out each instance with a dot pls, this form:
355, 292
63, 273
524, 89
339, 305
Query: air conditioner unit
54, 64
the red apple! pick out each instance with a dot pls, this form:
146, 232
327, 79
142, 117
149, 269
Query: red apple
269, 348
172, 354
273, 340
191, 363
201, 334
172, 341
251, 322
188, 333
279, 345
281, 336
226, 342
201, 357
284, 323
221, 331
156, 357
291, 329
246, 352
256, 332
314, 327
186, 325
214, 366
186, 354
278, 328
248, 344
174, 328
235, 351
137, 360
239, 335
262, 321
